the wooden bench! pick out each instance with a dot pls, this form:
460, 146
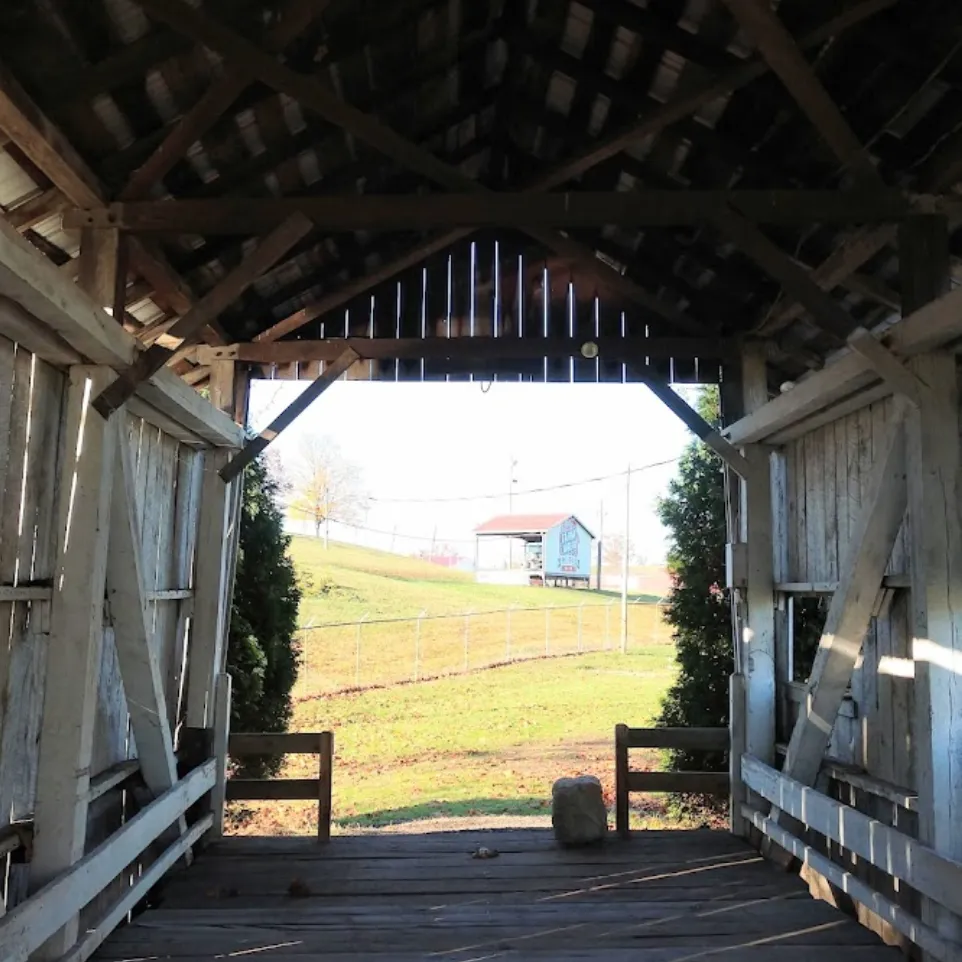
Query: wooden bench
243, 745
683, 739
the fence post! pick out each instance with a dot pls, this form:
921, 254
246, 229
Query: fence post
467, 632
357, 652
547, 631
417, 646
325, 779
507, 636
581, 609
621, 780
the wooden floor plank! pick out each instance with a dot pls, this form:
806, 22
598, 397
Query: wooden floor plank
661, 897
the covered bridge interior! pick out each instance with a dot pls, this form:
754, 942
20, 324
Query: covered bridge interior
670, 191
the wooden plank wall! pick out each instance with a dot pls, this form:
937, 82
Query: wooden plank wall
169, 475
826, 473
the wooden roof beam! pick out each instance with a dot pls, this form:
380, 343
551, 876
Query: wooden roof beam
826, 312
694, 99
295, 17
47, 147
783, 55
941, 172
313, 96
402, 212
622, 349
652, 121
188, 327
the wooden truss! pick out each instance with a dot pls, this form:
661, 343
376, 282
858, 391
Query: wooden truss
648, 208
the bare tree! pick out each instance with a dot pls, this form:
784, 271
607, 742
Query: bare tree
613, 550
324, 485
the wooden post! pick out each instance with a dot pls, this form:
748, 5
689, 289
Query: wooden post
325, 778
222, 701
97, 265
76, 639
621, 781
222, 386
934, 487
208, 626
737, 731
758, 633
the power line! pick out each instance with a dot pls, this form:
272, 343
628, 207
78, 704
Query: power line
405, 537
504, 494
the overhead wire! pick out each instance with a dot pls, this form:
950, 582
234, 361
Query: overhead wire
516, 493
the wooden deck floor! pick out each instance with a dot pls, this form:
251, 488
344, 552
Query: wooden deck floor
662, 897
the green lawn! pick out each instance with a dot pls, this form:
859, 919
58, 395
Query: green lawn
487, 743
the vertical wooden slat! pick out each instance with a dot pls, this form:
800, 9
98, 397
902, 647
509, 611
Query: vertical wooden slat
189, 477
207, 633
831, 504
12, 762
76, 636
803, 572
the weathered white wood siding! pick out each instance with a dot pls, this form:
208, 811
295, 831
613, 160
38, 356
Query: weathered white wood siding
169, 475
825, 477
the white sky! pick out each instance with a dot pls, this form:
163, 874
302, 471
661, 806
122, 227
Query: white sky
447, 440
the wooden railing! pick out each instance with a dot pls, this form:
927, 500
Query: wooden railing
243, 745
26, 927
858, 837
682, 739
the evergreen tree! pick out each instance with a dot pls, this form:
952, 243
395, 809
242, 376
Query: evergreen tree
698, 606
262, 653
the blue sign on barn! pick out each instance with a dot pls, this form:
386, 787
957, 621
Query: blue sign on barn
567, 550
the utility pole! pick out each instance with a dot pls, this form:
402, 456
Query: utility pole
624, 564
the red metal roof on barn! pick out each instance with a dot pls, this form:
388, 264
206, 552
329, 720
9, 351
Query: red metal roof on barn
522, 523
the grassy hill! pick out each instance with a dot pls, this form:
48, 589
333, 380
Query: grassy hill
468, 743
344, 583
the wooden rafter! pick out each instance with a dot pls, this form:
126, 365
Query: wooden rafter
313, 96
783, 55
46, 146
188, 327
295, 16
649, 124
827, 313
641, 208
700, 96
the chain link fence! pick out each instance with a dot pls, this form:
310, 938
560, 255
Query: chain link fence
389, 651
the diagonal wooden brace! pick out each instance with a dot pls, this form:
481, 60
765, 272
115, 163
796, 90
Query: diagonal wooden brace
290, 414
207, 309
